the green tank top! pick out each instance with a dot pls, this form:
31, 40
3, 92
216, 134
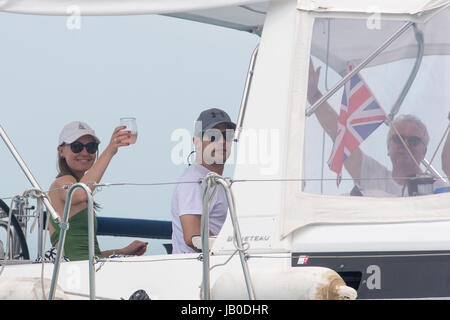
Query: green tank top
76, 242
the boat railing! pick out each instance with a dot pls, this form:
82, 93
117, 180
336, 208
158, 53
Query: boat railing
213, 181
64, 225
248, 82
16, 246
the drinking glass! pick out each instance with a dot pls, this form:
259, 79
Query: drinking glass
130, 124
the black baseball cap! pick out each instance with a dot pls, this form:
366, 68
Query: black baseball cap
210, 118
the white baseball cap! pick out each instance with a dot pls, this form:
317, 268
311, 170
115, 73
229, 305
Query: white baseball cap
74, 130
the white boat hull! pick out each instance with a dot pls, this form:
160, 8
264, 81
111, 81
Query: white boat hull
179, 277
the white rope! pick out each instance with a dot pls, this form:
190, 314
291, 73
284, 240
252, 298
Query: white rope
117, 260
225, 263
245, 247
45, 192
104, 184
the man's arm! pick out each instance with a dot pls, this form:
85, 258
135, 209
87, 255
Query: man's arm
328, 119
191, 224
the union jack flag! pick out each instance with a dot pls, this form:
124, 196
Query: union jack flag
360, 115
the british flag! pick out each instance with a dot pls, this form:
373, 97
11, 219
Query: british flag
360, 115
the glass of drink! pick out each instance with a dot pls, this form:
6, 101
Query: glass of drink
131, 126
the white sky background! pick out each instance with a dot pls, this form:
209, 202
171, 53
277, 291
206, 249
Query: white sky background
163, 71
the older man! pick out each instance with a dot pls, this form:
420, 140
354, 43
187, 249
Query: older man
371, 177
213, 135
405, 163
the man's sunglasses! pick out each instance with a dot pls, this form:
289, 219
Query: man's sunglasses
410, 140
212, 135
77, 147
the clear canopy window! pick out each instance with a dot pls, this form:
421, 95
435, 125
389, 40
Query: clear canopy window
385, 131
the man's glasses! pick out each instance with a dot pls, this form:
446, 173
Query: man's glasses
410, 140
213, 135
77, 147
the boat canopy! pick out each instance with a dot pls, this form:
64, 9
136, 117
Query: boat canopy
249, 15
245, 15
119, 7
412, 7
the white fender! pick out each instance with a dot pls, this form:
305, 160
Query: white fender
301, 283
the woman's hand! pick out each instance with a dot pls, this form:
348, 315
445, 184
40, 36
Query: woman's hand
119, 138
136, 248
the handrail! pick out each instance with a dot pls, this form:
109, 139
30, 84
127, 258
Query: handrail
420, 50
248, 83
213, 180
63, 229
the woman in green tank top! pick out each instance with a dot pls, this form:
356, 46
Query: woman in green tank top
77, 153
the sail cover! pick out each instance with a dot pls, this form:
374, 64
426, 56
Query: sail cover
249, 16
119, 7
411, 7
246, 15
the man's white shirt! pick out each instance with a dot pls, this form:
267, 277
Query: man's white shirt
187, 198
377, 180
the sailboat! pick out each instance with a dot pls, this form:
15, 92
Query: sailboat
296, 229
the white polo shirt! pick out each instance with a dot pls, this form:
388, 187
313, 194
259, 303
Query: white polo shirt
376, 177
187, 198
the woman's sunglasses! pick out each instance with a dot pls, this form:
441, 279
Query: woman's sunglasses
410, 140
77, 147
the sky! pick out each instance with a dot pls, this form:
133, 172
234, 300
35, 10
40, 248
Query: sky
163, 71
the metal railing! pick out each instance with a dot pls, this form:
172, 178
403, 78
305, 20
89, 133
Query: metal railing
248, 83
214, 180
63, 229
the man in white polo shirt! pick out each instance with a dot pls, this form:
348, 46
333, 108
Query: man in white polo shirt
213, 136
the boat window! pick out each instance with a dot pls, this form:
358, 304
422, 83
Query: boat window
377, 135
